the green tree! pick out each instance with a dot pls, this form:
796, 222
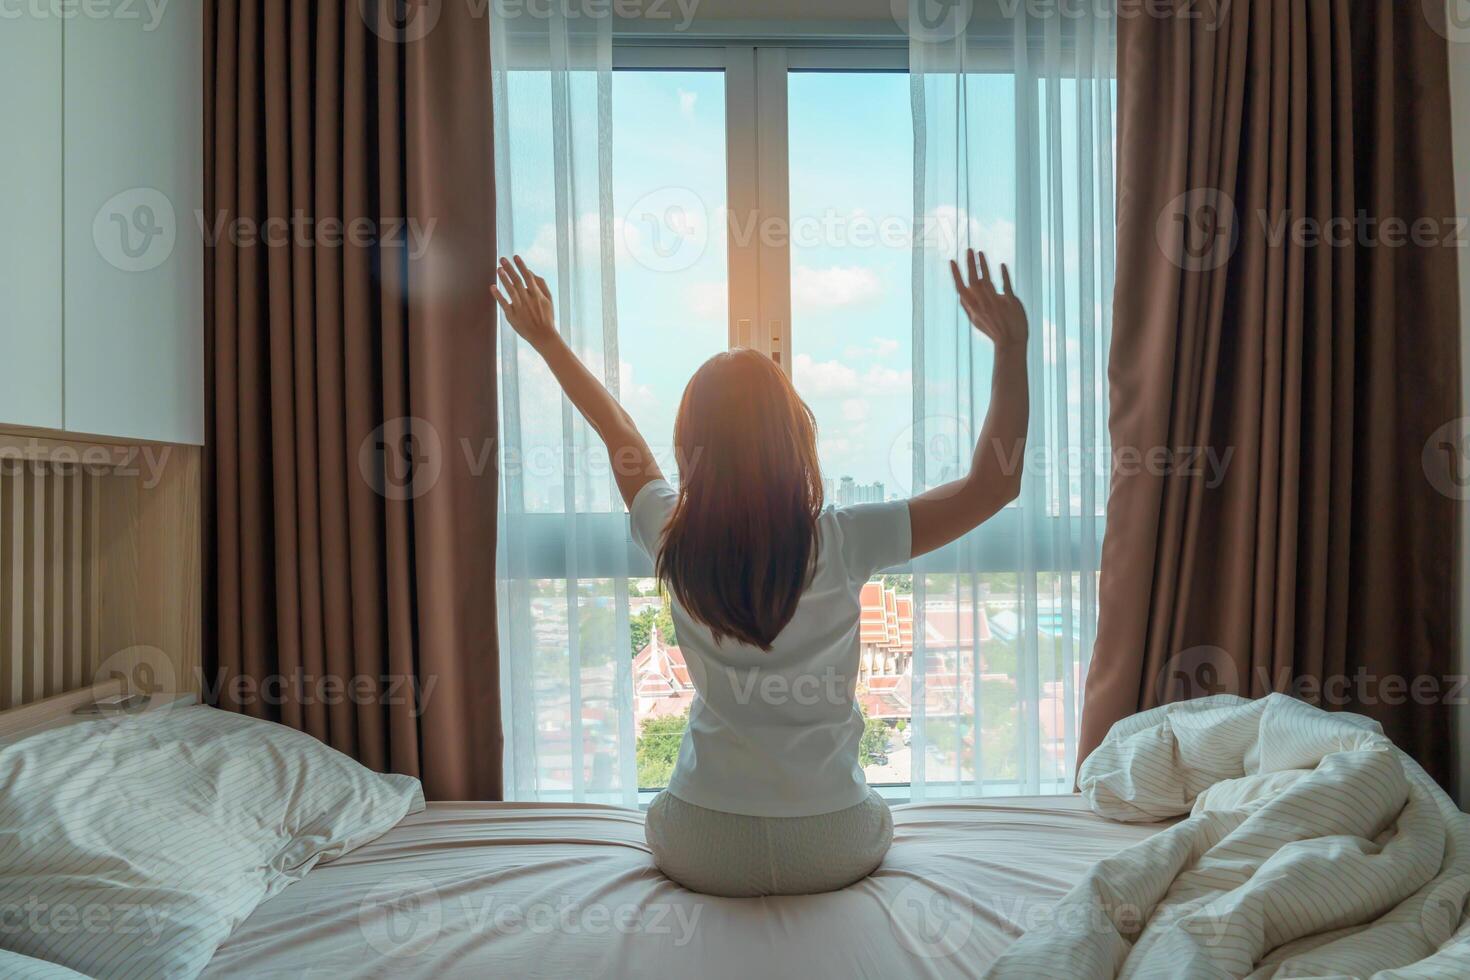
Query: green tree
658, 747
874, 743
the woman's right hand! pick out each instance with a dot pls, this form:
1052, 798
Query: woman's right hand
998, 315
526, 300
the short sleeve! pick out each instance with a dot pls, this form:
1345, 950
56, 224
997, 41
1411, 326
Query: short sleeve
874, 537
651, 508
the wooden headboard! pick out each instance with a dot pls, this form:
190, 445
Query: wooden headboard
100, 567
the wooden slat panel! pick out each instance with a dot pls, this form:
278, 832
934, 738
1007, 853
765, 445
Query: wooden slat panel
53, 649
48, 579
35, 587
12, 573
75, 619
99, 562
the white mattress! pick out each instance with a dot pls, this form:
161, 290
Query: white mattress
525, 890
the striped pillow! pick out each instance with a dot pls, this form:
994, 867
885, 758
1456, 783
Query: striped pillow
133, 846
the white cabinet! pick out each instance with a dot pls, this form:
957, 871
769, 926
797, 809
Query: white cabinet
102, 273
30, 220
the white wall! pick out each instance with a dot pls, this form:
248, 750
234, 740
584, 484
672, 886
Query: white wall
1460, 96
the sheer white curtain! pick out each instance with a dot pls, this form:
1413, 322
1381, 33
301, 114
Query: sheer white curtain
564, 561
1013, 153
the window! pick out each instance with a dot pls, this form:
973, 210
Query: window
764, 196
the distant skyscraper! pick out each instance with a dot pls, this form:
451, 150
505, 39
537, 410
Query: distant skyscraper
849, 492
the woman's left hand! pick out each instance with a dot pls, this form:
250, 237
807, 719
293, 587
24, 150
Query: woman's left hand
996, 313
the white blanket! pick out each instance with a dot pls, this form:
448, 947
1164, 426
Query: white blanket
1314, 848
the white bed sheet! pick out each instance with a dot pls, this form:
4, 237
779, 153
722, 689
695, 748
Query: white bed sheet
525, 890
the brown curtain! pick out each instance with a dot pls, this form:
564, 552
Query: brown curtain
1322, 564
351, 349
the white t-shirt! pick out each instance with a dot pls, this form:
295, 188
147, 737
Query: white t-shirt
776, 734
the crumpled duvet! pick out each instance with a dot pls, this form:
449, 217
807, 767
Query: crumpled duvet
1313, 848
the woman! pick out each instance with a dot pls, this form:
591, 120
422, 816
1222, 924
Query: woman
767, 796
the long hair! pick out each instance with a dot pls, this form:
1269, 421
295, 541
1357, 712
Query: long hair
738, 549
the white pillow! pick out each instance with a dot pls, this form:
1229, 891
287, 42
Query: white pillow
134, 846
14, 966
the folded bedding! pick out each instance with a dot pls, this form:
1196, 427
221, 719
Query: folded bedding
133, 846
1312, 848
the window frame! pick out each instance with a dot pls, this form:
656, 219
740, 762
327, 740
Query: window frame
756, 69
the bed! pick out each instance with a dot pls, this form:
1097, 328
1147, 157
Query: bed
525, 890
1214, 838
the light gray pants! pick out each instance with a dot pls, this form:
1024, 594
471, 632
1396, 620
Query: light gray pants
739, 856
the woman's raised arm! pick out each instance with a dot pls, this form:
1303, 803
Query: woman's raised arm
948, 512
526, 300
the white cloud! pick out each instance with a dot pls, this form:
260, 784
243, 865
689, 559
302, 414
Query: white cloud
686, 102
834, 379
708, 300
854, 410
636, 398
881, 348
540, 255
948, 229
833, 287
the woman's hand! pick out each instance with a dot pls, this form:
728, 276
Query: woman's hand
526, 300
998, 315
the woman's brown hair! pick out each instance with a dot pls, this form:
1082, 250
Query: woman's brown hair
739, 546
